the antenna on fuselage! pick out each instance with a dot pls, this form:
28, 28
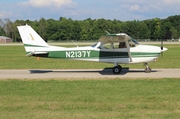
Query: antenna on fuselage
75, 43
107, 32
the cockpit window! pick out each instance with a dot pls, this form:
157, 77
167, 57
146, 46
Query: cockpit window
97, 45
135, 41
122, 44
116, 45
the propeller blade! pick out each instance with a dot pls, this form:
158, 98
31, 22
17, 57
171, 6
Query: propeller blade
161, 44
163, 49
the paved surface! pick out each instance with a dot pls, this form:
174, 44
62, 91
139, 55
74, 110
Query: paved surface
87, 73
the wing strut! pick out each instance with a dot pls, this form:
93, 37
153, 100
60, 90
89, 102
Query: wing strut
128, 48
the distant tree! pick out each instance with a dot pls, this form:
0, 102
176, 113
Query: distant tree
143, 31
76, 29
92, 29
175, 25
2, 32
99, 27
52, 29
155, 27
8, 27
116, 26
174, 33
166, 29
64, 29
124, 28
86, 29
42, 28
17, 37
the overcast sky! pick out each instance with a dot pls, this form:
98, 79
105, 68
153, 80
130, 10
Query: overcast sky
123, 10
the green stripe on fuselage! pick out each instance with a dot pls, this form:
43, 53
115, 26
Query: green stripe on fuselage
87, 54
144, 54
95, 54
98, 54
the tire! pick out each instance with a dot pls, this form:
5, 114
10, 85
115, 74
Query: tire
147, 70
117, 69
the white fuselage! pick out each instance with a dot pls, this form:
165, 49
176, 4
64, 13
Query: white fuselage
138, 54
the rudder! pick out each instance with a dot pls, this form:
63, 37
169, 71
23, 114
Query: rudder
30, 37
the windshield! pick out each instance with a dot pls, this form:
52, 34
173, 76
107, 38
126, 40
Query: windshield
96, 45
135, 41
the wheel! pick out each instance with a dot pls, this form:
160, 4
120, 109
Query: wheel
147, 70
117, 69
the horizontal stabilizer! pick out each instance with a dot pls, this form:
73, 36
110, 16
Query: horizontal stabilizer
36, 53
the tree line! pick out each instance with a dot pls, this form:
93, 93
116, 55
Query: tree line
66, 29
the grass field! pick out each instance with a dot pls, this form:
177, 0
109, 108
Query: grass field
90, 99
13, 57
87, 99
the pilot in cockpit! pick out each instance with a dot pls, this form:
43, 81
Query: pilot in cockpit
122, 44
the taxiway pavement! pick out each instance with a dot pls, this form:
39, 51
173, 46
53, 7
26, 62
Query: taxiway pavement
86, 73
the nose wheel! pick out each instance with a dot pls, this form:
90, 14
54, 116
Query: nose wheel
117, 69
147, 69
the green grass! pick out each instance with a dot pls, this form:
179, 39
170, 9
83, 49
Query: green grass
87, 99
79, 99
13, 57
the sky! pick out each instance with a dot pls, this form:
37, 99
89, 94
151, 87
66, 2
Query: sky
123, 10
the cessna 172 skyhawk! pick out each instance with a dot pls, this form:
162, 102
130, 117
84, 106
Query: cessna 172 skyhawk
122, 49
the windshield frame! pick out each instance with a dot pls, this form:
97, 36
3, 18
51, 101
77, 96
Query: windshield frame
135, 41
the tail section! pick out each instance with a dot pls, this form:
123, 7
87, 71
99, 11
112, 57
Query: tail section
30, 38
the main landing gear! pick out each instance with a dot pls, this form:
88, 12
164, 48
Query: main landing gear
147, 69
117, 69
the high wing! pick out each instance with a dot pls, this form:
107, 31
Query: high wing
114, 38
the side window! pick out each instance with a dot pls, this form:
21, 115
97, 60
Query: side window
122, 44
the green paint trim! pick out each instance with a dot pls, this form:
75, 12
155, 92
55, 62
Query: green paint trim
88, 54
29, 45
111, 35
144, 54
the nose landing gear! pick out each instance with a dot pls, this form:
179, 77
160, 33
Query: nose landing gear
147, 69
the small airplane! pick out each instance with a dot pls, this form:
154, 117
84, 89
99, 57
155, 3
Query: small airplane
111, 48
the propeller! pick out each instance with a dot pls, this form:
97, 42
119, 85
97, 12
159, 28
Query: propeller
161, 44
161, 47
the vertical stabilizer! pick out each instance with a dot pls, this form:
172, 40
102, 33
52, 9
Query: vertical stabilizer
30, 37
